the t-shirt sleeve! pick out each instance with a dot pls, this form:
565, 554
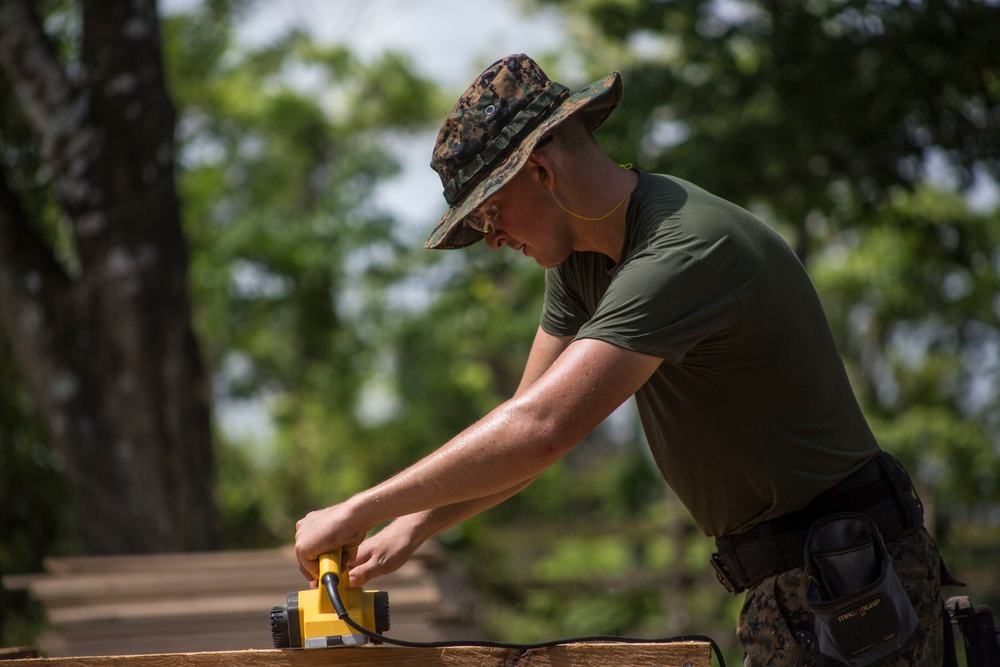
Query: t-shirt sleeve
664, 304
564, 310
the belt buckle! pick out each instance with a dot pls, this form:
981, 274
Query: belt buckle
723, 574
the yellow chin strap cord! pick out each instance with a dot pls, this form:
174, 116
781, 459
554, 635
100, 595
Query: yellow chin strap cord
627, 165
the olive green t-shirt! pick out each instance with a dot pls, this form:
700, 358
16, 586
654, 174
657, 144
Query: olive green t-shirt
751, 414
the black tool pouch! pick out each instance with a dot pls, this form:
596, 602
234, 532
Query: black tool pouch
862, 612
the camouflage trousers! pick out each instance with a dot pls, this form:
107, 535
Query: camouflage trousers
776, 609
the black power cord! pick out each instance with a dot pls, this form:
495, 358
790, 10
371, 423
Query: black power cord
330, 582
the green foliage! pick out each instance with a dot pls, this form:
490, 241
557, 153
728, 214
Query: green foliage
395, 351
36, 515
36, 518
913, 301
644, 575
21, 162
818, 107
279, 154
366, 354
465, 352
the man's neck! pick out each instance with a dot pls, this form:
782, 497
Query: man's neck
611, 189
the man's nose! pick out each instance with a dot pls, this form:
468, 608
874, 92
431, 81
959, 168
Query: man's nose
496, 239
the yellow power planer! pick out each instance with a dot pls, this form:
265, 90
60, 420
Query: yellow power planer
311, 618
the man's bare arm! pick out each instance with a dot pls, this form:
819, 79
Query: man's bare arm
545, 349
508, 447
393, 545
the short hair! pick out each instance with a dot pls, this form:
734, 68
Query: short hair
572, 134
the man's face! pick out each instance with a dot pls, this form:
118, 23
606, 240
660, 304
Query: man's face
522, 216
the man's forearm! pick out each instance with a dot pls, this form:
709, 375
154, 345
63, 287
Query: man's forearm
517, 440
425, 525
504, 450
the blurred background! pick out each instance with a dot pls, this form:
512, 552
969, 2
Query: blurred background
216, 313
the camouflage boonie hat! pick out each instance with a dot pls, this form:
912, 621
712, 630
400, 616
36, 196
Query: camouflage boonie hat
492, 129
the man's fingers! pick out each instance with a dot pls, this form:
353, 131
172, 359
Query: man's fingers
350, 553
311, 574
308, 565
377, 565
325, 531
362, 557
359, 576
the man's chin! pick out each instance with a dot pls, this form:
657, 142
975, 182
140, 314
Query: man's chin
549, 262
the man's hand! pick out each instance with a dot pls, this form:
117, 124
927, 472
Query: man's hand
384, 552
328, 530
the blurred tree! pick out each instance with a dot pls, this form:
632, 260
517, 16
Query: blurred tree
815, 110
93, 271
281, 148
914, 300
35, 519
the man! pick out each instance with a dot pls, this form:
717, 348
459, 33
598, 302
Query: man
658, 289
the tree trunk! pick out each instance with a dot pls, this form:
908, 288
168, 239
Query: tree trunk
105, 341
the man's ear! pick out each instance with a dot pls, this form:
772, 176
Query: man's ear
543, 169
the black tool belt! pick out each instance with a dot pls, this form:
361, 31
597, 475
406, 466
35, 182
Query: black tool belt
880, 490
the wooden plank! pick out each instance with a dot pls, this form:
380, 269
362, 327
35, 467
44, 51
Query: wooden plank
207, 634
679, 654
149, 563
79, 581
202, 576
429, 552
404, 601
187, 604
218, 601
12, 652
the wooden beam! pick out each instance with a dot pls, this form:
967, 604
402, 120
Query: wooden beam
679, 654
219, 601
12, 652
